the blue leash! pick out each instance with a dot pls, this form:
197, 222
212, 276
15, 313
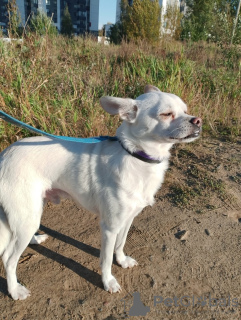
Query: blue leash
141, 155
21, 124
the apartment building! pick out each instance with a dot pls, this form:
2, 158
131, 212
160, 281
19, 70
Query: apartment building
3, 14
179, 3
84, 13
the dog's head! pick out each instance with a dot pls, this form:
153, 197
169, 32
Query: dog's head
155, 115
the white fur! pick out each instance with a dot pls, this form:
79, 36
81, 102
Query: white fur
101, 177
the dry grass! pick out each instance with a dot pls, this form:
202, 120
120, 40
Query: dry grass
55, 83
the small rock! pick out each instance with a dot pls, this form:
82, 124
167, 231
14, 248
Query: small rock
181, 235
207, 232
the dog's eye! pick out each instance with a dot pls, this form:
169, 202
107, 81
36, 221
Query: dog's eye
166, 114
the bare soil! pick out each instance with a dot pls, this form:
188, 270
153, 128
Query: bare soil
187, 245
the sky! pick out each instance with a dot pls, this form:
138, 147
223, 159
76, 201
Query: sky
107, 12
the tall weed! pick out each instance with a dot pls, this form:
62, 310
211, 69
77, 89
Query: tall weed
54, 83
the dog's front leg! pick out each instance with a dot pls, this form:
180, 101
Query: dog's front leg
106, 258
121, 258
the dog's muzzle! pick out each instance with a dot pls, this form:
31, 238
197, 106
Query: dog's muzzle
197, 128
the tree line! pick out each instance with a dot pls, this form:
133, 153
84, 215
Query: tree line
209, 20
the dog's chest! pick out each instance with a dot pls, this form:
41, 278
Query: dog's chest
141, 185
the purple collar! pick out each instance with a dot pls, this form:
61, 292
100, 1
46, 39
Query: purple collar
141, 155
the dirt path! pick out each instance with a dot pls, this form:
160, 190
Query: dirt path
188, 246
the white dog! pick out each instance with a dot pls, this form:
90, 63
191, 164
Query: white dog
114, 179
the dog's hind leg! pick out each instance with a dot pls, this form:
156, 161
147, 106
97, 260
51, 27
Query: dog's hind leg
21, 234
10, 260
121, 258
11, 255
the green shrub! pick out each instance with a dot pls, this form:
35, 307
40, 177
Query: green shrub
41, 24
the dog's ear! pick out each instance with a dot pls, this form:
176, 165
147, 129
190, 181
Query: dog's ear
126, 108
150, 88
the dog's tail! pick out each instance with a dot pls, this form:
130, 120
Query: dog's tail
5, 233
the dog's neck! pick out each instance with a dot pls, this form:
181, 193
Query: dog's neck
148, 149
141, 155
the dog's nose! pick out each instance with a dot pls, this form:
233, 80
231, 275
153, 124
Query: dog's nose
197, 121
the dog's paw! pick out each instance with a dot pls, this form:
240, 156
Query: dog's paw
37, 239
20, 292
127, 262
112, 285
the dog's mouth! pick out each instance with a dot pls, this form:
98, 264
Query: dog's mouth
190, 136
